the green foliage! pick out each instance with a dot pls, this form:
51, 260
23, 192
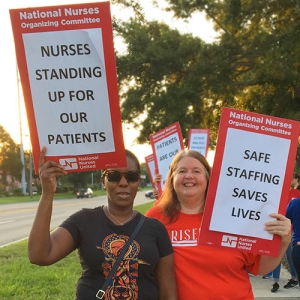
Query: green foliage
157, 76
260, 50
166, 76
10, 162
18, 192
144, 171
76, 181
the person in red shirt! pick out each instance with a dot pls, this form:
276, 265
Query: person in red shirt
295, 187
206, 272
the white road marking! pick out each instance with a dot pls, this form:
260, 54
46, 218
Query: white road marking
7, 222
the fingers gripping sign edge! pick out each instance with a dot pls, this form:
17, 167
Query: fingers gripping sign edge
56, 167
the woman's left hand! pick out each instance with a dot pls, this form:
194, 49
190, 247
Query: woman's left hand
281, 226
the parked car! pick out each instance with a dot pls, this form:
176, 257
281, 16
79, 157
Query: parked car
85, 193
149, 194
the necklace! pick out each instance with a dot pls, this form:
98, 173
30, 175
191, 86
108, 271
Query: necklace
121, 223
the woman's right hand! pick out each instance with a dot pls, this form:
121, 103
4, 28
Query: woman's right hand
48, 170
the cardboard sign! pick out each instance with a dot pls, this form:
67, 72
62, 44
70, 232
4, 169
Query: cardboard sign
250, 179
150, 167
165, 145
66, 61
199, 140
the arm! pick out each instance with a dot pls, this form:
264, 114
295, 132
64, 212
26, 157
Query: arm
165, 277
45, 248
282, 227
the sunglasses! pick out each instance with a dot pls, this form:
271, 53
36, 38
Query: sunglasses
115, 176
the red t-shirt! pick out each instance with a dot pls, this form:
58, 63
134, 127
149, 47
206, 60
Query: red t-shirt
206, 272
294, 193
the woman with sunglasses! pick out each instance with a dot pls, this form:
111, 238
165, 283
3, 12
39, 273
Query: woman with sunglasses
146, 270
206, 272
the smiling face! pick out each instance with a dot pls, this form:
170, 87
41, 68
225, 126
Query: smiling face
122, 193
190, 179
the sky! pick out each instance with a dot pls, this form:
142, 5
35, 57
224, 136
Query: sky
12, 110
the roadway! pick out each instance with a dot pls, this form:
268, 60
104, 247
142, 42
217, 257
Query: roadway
16, 218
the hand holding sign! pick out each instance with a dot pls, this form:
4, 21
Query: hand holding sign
165, 145
48, 171
250, 180
66, 61
281, 227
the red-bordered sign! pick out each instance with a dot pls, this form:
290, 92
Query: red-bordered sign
150, 167
66, 61
250, 179
199, 140
165, 145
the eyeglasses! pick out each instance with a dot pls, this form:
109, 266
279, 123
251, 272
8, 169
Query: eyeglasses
115, 176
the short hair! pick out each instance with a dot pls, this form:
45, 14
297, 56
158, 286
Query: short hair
134, 158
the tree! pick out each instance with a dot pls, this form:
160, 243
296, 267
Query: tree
10, 162
144, 173
260, 50
166, 76
158, 78
79, 180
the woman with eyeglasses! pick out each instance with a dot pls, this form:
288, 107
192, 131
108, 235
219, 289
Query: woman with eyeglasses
206, 272
146, 270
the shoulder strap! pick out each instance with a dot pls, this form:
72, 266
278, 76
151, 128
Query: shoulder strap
100, 294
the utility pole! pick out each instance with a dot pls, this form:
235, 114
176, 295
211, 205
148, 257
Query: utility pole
30, 173
21, 139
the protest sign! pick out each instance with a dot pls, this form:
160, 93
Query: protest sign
150, 167
66, 62
250, 179
165, 145
198, 140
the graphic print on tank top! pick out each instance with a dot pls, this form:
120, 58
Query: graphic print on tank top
123, 284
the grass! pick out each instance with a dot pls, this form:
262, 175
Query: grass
36, 197
21, 280
57, 196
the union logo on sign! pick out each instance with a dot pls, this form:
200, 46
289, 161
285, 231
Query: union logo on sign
69, 163
229, 241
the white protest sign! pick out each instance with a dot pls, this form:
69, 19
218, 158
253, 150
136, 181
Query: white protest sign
165, 145
250, 179
69, 105
67, 67
251, 183
199, 140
